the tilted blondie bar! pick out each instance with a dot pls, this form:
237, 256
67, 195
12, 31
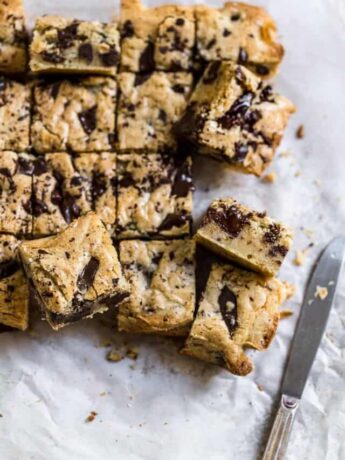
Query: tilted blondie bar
241, 33
16, 193
161, 38
238, 309
14, 115
13, 37
74, 274
154, 196
235, 117
148, 107
69, 45
14, 289
245, 236
74, 115
66, 187
162, 285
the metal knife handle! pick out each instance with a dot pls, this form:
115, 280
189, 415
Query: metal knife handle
280, 433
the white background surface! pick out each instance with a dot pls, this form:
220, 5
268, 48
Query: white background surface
164, 406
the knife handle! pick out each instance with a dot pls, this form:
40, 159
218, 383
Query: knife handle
280, 433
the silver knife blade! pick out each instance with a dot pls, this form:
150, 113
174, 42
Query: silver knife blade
313, 318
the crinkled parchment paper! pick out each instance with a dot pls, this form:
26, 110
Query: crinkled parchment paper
165, 406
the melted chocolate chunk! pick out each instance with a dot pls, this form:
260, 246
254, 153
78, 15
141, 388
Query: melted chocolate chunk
87, 276
126, 180
179, 21
66, 203
82, 309
230, 219
267, 94
98, 186
3, 84
173, 220
278, 249
228, 307
25, 166
235, 17
40, 166
141, 78
241, 151
85, 52
115, 300
38, 207
212, 73
67, 35
262, 70
273, 234
88, 119
8, 268
238, 113
226, 33
211, 44
146, 61
6, 172
127, 30
180, 89
53, 57
111, 58
162, 115
183, 182
242, 56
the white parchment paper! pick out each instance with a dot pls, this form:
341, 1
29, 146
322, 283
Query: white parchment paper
165, 406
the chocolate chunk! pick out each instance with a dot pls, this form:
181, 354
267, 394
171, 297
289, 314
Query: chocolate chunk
38, 207
230, 219
226, 33
126, 180
115, 300
267, 94
146, 61
98, 186
212, 73
162, 115
8, 268
6, 172
111, 58
127, 30
235, 17
179, 21
262, 70
141, 78
55, 90
178, 88
183, 182
211, 44
241, 151
273, 234
40, 166
67, 36
88, 119
228, 307
173, 220
242, 56
87, 276
82, 309
25, 166
237, 114
52, 56
3, 84
85, 52
278, 249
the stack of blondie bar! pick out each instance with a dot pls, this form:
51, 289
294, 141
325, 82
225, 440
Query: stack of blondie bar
98, 127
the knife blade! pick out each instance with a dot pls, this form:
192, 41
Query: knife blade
317, 304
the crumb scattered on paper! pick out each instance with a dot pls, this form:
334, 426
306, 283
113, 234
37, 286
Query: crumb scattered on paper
290, 289
285, 313
285, 154
132, 353
321, 292
114, 356
91, 417
300, 257
300, 132
260, 387
270, 178
103, 393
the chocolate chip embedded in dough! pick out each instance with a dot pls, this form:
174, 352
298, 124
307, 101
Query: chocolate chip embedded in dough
85, 52
88, 119
87, 276
228, 307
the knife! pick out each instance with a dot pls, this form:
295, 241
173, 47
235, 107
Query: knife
311, 325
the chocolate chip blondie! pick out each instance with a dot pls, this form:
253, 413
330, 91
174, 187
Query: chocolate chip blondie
74, 115
241, 33
161, 38
245, 236
154, 196
14, 115
13, 37
14, 289
66, 187
148, 107
75, 274
235, 117
16, 193
238, 309
162, 285
69, 45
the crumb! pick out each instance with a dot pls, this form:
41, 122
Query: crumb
300, 132
285, 313
114, 356
270, 178
285, 154
308, 232
132, 353
321, 292
300, 257
331, 283
1, 415
298, 173
105, 343
132, 366
91, 417
317, 182
260, 387
290, 289
165, 423
103, 393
